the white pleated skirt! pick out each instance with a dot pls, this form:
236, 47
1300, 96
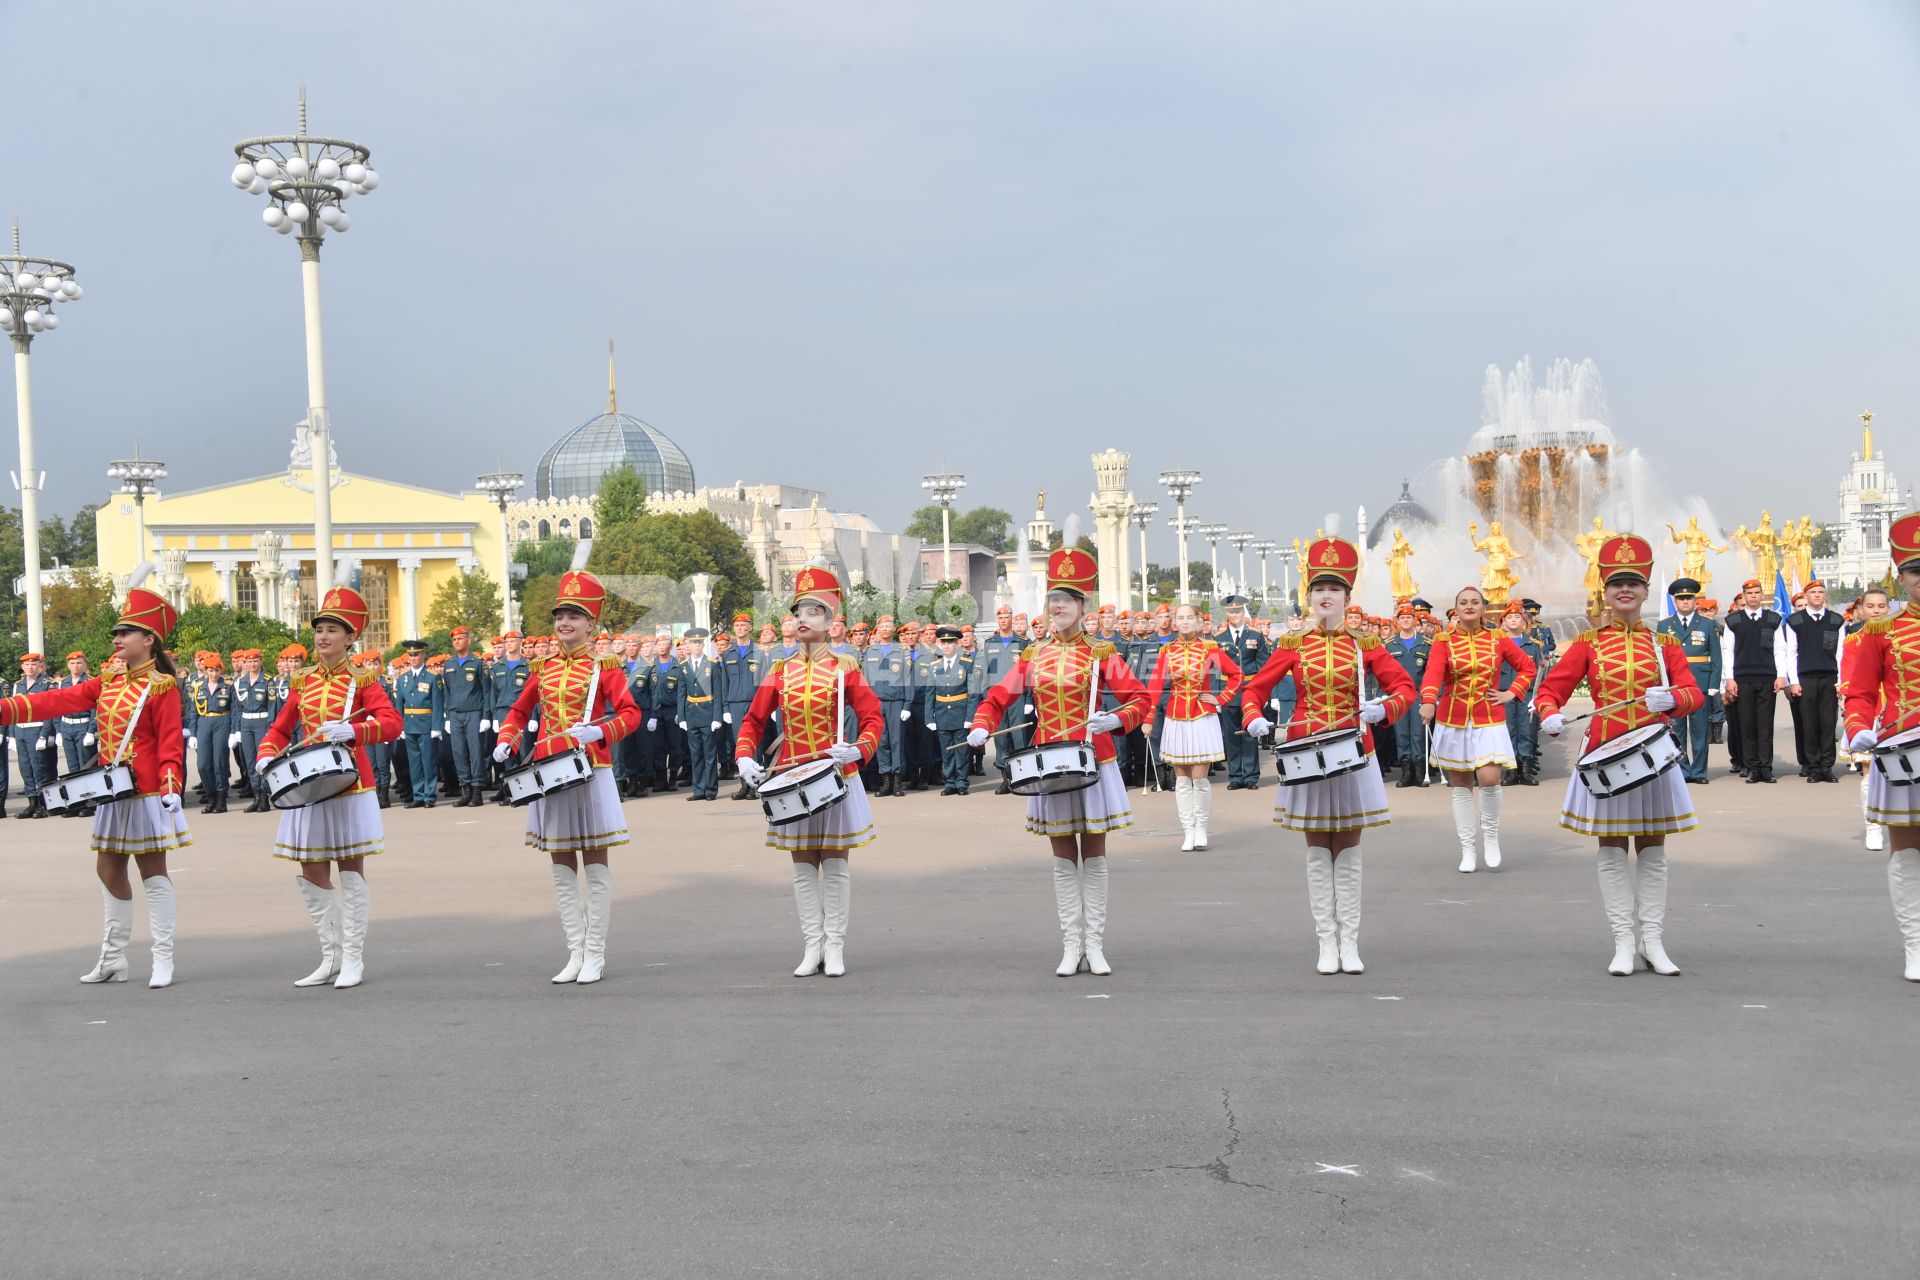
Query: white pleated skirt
1346, 803
347, 826
1192, 741
137, 826
1470, 746
1890, 805
1090, 811
832, 831
578, 818
1662, 807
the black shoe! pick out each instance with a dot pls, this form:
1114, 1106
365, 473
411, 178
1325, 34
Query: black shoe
960, 791
1766, 775
946, 791
741, 793
416, 804
1003, 789
382, 794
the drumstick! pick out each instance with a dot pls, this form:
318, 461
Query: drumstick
996, 733
1600, 711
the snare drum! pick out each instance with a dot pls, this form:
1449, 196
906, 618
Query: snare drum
542, 778
1052, 768
308, 775
1633, 759
800, 791
98, 785
1899, 758
1327, 754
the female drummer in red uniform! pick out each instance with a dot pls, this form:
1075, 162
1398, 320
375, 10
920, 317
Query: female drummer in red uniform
582, 700
337, 701
1637, 677
1190, 737
1329, 664
1881, 688
135, 693
1058, 676
811, 690
1461, 698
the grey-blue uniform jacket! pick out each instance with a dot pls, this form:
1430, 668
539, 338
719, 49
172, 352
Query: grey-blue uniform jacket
947, 697
505, 677
418, 696
465, 689
1699, 639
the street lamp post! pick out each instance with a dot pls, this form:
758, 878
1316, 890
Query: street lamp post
138, 476
501, 486
944, 486
1264, 548
29, 288
1240, 541
1288, 558
1143, 513
1180, 484
1213, 533
307, 179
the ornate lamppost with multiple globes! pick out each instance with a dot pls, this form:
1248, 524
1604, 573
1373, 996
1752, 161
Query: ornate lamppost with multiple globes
29, 290
1143, 514
1213, 533
501, 486
945, 486
1180, 483
1264, 548
138, 477
307, 181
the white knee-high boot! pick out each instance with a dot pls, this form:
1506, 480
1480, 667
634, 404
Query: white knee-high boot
1093, 899
573, 920
1466, 824
1616, 895
1650, 889
354, 903
323, 906
1183, 805
1490, 826
1876, 833
836, 899
112, 965
806, 901
1320, 903
1066, 898
1346, 908
599, 918
1903, 882
1202, 810
160, 925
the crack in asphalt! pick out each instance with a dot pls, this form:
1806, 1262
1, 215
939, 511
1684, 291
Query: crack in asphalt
1218, 1169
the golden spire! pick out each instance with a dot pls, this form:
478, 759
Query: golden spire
613, 395
1866, 424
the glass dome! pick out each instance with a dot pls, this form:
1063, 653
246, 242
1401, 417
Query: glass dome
1405, 513
573, 466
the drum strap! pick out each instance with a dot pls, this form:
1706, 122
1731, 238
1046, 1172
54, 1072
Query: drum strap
1093, 695
839, 706
132, 720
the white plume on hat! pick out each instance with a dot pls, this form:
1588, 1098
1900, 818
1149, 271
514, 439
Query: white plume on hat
580, 555
141, 572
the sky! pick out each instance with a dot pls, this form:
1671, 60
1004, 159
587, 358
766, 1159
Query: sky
841, 244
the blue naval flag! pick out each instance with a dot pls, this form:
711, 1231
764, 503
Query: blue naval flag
1782, 605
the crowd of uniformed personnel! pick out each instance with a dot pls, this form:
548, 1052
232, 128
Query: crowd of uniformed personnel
694, 690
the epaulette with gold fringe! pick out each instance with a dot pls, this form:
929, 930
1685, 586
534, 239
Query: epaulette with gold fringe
1587, 637
1291, 640
1662, 638
1369, 641
160, 682
1877, 627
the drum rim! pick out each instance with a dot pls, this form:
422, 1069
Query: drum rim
1290, 745
814, 769
1038, 747
1638, 736
1904, 738
1081, 783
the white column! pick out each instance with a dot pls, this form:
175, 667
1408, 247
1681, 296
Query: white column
29, 490
226, 570
322, 436
409, 596
265, 603
703, 600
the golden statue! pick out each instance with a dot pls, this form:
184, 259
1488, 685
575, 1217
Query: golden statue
1589, 544
1300, 562
1499, 580
1764, 544
1693, 560
1796, 549
1399, 576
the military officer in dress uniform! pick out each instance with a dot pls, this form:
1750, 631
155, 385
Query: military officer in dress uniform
698, 708
76, 731
212, 725
739, 678
633, 754
464, 698
1410, 650
671, 745
995, 655
1716, 706
506, 676
884, 666
253, 707
1249, 651
1699, 641
421, 703
946, 706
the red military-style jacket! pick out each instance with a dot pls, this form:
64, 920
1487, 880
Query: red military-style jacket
157, 753
1463, 669
317, 695
1057, 675
558, 685
1329, 672
1880, 680
1619, 665
806, 691
1185, 670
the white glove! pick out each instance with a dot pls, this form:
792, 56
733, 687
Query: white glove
714, 727
501, 752
1104, 722
233, 740
435, 735
653, 724
1554, 725
932, 727
88, 740
336, 731
977, 739
682, 724
751, 770
1865, 740
585, 733
726, 717
170, 803
42, 744
905, 715
486, 725
1659, 699
1027, 709
186, 735
1258, 727
447, 725
1373, 711
843, 753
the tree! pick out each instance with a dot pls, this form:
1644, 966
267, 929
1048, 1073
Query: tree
647, 566
470, 600
983, 526
1826, 541
216, 627
545, 560
622, 499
